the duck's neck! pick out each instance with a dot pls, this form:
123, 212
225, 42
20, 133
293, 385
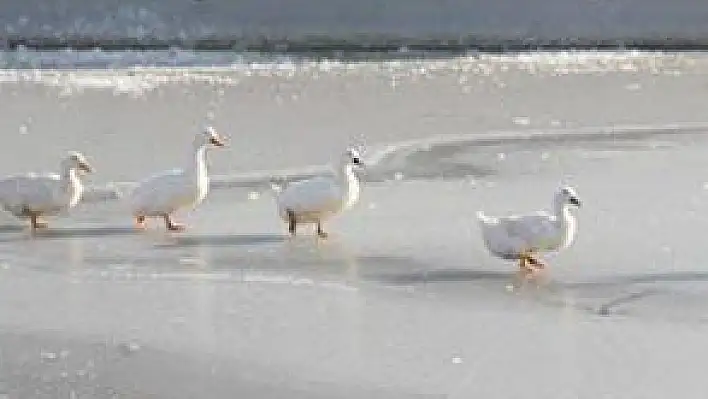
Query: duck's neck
345, 174
349, 180
70, 179
562, 213
565, 221
199, 166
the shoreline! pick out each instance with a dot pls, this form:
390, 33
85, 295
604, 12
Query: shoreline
346, 46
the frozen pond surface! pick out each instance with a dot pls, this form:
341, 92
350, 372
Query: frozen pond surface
402, 300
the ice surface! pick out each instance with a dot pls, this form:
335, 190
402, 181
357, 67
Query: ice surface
402, 300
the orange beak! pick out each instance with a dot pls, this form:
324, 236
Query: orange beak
217, 142
85, 167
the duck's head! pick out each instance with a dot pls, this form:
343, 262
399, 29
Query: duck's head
77, 161
567, 195
352, 156
210, 138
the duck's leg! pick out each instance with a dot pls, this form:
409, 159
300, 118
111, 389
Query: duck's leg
140, 222
536, 263
530, 265
523, 266
292, 222
40, 224
320, 232
36, 224
172, 226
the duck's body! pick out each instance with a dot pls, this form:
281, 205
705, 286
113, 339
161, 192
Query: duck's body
509, 237
168, 192
316, 200
46, 194
34, 196
522, 237
165, 193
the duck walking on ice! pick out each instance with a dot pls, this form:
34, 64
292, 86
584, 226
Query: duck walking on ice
165, 193
33, 196
315, 200
524, 237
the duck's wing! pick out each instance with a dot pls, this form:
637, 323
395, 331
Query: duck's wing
310, 194
162, 179
534, 229
33, 190
158, 188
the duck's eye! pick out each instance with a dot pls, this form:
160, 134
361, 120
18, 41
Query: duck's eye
356, 160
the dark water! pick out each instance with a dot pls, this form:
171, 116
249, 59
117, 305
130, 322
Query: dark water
352, 22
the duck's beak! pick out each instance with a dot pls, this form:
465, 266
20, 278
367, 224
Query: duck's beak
217, 141
85, 167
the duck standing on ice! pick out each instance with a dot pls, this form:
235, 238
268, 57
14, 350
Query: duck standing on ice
163, 194
524, 237
315, 200
33, 196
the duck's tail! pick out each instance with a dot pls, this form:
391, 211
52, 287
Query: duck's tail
484, 220
276, 186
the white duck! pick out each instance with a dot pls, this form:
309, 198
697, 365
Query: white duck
315, 200
163, 194
523, 237
33, 196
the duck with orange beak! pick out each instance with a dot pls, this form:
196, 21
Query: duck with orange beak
34, 196
163, 194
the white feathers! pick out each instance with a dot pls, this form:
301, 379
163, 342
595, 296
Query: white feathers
509, 237
32, 196
316, 199
162, 194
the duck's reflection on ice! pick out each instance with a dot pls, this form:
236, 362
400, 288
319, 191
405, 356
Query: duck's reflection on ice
222, 240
